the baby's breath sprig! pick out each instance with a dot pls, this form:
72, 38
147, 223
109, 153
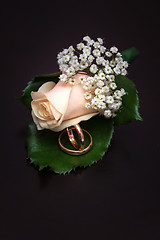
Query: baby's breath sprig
102, 65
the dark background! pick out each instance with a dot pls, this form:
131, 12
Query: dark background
117, 198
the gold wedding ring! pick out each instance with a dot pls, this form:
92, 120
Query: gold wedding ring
80, 149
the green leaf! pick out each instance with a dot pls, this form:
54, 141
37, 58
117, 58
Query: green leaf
130, 54
130, 103
34, 85
44, 151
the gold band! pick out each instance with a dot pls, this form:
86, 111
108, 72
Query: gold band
73, 140
80, 149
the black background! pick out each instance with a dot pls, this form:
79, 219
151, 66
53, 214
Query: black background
117, 198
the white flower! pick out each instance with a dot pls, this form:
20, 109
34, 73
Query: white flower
101, 97
87, 86
60, 55
70, 71
108, 54
122, 91
111, 78
65, 51
102, 76
108, 70
119, 54
96, 45
105, 63
96, 52
105, 89
100, 83
80, 46
125, 64
87, 95
117, 70
117, 94
100, 40
60, 61
90, 79
72, 81
82, 57
109, 99
95, 102
107, 113
93, 68
114, 49
102, 49
82, 79
123, 71
86, 51
98, 91
87, 39
63, 67
90, 58
83, 65
70, 49
100, 60
74, 63
63, 77
112, 63
101, 105
113, 85
88, 105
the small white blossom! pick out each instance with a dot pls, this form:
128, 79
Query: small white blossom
114, 49
100, 40
105, 89
101, 97
116, 70
109, 99
96, 52
119, 54
70, 71
72, 81
108, 54
123, 71
102, 76
86, 51
96, 45
88, 105
125, 64
107, 113
82, 79
90, 58
102, 49
112, 63
101, 105
111, 78
80, 46
113, 86
105, 63
90, 79
100, 60
63, 67
65, 51
100, 83
63, 77
87, 95
93, 68
87, 86
117, 94
108, 70
98, 91
87, 39
83, 65
122, 91
82, 57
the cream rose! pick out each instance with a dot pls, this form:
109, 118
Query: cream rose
57, 106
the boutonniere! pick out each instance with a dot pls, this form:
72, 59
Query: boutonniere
75, 110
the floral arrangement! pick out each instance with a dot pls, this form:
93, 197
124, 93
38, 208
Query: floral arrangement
90, 88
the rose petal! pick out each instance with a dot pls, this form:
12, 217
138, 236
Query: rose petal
72, 122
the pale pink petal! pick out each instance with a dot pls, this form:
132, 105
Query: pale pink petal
59, 96
46, 87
